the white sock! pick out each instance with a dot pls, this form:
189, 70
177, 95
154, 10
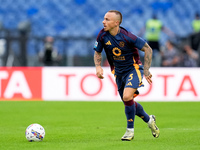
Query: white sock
130, 129
150, 120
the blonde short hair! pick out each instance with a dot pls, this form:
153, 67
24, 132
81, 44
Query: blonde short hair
117, 13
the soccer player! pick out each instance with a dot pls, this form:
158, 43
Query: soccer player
121, 49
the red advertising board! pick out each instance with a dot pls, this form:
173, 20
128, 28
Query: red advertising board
82, 84
20, 83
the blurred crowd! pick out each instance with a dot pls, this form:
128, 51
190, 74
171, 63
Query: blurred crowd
183, 55
48, 55
174, 52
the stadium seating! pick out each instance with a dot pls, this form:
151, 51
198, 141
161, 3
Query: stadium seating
84, 17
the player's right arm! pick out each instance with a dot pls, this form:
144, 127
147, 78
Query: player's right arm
97, 62
98, 47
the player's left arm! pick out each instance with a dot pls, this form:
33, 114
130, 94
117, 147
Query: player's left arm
147, 62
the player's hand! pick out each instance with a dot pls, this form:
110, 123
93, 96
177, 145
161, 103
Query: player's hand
148, 76
99, 72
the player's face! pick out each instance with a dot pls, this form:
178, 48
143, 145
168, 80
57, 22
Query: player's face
110, 21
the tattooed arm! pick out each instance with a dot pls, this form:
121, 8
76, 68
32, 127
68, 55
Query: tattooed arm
147, 62
97, 62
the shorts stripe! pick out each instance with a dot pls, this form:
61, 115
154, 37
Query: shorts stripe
138, 72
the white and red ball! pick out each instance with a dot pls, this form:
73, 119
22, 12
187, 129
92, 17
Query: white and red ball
35, 132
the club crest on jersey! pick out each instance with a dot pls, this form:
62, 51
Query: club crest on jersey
95, 44
121, 44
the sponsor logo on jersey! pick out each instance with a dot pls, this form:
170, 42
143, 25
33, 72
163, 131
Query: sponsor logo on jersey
116, 51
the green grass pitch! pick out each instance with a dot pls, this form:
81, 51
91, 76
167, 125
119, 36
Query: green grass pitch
98, 126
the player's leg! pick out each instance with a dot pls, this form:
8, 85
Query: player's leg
129, 134
150, 120
141, 113
132, 81
130, 111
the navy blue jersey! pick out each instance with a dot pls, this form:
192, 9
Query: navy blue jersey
121, 50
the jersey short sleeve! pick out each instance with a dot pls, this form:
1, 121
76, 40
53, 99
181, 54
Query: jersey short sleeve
134, 40
98, 46
139, 43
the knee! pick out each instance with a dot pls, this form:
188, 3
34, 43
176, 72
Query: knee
127, 98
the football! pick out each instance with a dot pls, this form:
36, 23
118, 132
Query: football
35, 132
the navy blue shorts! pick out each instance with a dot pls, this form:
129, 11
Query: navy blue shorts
132, 79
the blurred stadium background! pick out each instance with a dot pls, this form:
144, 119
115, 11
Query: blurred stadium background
74, 24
